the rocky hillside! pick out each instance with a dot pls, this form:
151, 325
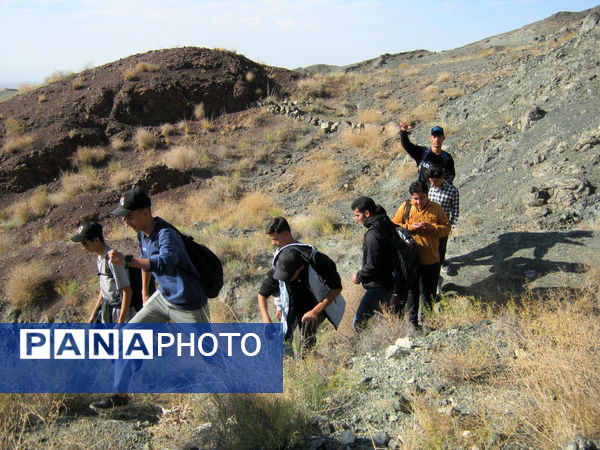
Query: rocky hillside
223, 143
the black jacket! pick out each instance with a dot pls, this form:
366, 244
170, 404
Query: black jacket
425, 158
378, 264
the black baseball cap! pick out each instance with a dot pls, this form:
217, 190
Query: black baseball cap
437, 131
287, 264
131, 201
87, 230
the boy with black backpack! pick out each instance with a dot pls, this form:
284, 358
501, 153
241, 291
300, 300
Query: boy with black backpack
114, 303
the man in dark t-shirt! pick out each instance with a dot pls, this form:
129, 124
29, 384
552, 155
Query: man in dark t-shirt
426, 157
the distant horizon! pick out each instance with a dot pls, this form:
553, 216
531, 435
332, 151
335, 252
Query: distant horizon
70, 35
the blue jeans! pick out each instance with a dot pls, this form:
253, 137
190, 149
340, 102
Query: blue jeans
369, 305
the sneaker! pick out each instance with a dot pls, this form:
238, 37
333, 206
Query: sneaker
445, 267
110, 402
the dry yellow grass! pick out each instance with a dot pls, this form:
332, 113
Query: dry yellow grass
118, 144
443, 77
206, 125
453, 93
74, 184
252, 210
430, 93
46, 235
31, 208
199, 112
168, 129
144, 139
185, 158
42, 98
369, 138
13, 127
369, 116
393, 105
18, 143
7, 243
143, 66
424, 113
26, 283
90, 156
321, 173
130, 74
78, 83
411, 72
119, 176
316, 225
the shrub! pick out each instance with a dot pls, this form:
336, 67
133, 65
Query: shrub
7, 243
78, 83
118, 144
473, 363
130, 74
118, 176
316, 225
31, 208
168, 129
369, 116
411, 72
144, 139
27, 283
370, 138
90, 156
18, 143
70, 291
74, 184
317, 86
143, 66
256, 421
443, 77
453, 93
430, 93
252, 210
57, 76
13, 127
199, 112
184, 158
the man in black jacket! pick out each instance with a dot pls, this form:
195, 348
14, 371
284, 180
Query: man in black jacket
428, 157
378, 264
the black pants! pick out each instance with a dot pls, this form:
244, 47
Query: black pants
425, 284
442, 249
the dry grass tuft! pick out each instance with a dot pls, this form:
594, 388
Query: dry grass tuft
424, 113
31, 208
382, 330
78, 83
27, 283
7, 243
321, 173
474, 363
168, 129
444, 77
46, 235
459, 310
13, 127
252, 210
119, 176
74, 184
453, 93
144, 139
411, 72
143, 66
118, 144
430, 93
130, 74
369, 116
57, 76
185, 158
18, 143
206, 125
90, 156
42, 99
369, 138
199, 112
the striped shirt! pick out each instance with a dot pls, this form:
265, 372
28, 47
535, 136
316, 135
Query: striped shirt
447, 197
112, 280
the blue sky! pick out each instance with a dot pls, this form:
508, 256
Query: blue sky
39, 37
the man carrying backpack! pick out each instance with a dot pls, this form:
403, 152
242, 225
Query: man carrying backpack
378, 271
309, 288
114, 299
180, 296
427, 157
427, 222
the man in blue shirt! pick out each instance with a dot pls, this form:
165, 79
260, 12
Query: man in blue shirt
180, 297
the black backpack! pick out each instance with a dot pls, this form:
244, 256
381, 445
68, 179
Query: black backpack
208, 265
407, 252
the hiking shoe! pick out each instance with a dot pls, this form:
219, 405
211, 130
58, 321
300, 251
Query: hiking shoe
110, 402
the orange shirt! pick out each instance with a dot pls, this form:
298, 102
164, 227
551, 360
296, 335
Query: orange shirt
428, 240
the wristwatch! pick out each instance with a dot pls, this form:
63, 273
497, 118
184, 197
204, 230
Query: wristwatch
128, 259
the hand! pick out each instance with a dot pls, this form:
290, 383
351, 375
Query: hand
310, 320
116, 257
145, 298
354, 279
404, 126
92, 318
278, 314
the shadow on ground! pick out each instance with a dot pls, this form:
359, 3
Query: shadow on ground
512, 262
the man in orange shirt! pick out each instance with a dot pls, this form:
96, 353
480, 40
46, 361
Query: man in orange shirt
427, 222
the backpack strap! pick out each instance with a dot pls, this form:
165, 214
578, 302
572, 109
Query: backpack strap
407, 207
